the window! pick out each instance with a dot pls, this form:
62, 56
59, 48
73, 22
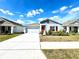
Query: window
56, 28
52, 28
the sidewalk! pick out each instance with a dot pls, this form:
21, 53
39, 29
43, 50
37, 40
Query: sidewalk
21, 54
59, 45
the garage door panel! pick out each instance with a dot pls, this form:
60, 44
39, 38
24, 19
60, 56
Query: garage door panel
33, 30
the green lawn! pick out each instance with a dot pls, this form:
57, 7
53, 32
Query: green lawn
6, 37
59, 38
62, 54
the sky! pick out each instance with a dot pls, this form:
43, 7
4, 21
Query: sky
34, 11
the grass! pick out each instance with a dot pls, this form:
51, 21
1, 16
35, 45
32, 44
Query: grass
6, 37
62, 54
59, 38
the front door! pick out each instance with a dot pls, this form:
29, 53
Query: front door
43, 28
2, 29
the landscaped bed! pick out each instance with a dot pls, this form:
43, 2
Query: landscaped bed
8, 36
59, 38
62, 54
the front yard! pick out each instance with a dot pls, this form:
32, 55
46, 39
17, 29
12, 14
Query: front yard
59, 38
62, 54
6, 37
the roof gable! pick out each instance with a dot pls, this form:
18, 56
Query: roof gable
50, 21
4, 21
71, 23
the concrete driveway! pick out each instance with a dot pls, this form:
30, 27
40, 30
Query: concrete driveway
24, 41
25, 46
21, 54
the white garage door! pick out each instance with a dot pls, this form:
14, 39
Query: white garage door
33, 30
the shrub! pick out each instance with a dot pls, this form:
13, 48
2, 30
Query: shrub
57, 33
19, 32
42, 32
49, 32
73, 33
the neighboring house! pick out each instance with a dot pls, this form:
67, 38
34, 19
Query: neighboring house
7, 26
33, 28
71, 26
48, 24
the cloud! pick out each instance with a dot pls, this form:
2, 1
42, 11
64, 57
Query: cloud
30, 21
52, 18
19, 21
41, 10
63, 8
70, 6
7, 12
21, 16
34, 12
40, 19
74, 10
55, 11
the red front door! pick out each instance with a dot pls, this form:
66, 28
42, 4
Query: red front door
43, 28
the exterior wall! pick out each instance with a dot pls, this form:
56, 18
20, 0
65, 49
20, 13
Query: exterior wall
47, 26
18, 29
60, 28
25, 29
0, 30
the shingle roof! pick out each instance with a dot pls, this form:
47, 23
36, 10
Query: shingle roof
49, 20
71, 23
4, 19
33, 25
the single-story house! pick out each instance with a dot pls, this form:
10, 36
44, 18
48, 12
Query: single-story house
44, 25
33, 28
49, 24
7, 26
71, 26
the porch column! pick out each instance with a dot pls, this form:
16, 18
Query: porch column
47, 27
40, 27
0, 29
78, 29
24, 29
67, 29
55, 28
11, 29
